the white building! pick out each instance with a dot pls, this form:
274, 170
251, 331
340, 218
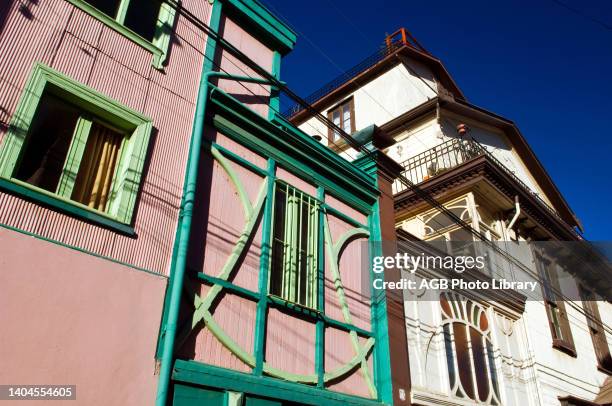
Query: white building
473, 349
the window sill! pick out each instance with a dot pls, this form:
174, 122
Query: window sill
43, 197
564, 347
121, 29
293, 306
604, 370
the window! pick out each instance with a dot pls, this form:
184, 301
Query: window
555, 307
598, 334
344, 117
71, 143
295, 240
469, 352
149, 23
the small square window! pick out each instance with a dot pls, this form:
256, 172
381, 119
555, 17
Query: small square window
295, 240
68, 141
343, 116
147, 23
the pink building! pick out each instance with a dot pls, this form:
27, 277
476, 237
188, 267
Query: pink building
166, 236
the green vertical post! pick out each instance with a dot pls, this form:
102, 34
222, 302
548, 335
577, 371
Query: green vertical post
382, 356
320, 328
177, 267
209, 55
274, 93
264, 266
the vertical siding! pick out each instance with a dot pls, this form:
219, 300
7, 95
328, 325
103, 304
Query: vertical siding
339, 351
255, 95
72, 42
290, 343
219, 226
236, 317
351, 268
296, 181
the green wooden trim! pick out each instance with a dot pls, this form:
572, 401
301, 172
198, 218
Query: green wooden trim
333, 261
235, 398
346, 238
207, 66
207, 375
337, 213
274, 92
238, 159
163, 33
293, 226
126, 181
264, 266
301, 154
122, 11
235, 289
79, 249
242, 194
232, 260
202, 306
73, 158
320, 328
70, 207
113, 24
378, 311
358, 359
315, 315
262, 24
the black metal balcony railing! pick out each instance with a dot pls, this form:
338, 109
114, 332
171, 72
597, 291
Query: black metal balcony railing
449, 155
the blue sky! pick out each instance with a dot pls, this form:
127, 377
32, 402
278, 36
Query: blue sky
538, 63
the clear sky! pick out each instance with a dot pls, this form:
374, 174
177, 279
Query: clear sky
545, 64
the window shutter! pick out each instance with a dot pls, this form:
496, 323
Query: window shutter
163, 33
74, 157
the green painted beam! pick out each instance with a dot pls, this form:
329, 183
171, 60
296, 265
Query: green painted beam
53, 201
200, 374
262, 24
320, 329
378, 311
235, 289
264, 266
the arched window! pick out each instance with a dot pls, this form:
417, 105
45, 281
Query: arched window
469, 351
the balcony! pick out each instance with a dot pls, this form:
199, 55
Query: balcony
451, 154
399, 39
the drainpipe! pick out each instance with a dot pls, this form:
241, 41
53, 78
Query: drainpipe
517, 214
186, 215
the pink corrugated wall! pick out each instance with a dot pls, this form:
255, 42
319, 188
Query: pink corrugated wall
257, 96
338, 347
72, 42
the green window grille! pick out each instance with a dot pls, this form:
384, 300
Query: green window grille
295, 240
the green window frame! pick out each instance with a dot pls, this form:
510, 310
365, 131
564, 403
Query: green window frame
95, 107
295, 241
160, 43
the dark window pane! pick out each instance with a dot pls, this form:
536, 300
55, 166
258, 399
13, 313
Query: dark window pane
450, 359
492, 368
108, 7
480, 364
142, 16
278, 243
42, 160
463, 359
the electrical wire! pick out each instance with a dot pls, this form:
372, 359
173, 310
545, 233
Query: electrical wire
360, 148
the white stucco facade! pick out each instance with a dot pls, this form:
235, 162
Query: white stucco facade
529, 369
